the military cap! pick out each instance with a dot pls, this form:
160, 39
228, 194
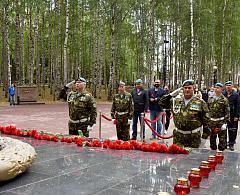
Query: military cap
121, 83
81, 79
188, 82
139, 81
229, 83
218, 85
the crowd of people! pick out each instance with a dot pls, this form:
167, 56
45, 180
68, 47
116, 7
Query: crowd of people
197, 115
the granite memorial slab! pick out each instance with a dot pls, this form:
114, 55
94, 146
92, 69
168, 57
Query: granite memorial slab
63, 168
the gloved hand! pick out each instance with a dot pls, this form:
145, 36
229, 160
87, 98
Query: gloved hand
224, 127
113, 119
129, 121
176, 92
69, 85
90, 128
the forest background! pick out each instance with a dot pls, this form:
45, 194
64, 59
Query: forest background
48, 43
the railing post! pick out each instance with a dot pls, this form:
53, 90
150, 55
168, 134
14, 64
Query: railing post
100, 124
142, 125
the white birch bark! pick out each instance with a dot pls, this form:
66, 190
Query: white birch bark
222, 44
65, 69
192, 38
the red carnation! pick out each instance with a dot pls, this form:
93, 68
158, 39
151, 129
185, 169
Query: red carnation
29, 133
153, 144
34, 132
105, 145
20, 133
96, 143
126, 146
111, 145
89, 144
55, 138
62, 139
118, 141
106, 142
3, 129
68, 140
79, 143
163, 148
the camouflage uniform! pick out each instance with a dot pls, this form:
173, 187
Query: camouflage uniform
82, 112
122, 110
219, 113
187, 119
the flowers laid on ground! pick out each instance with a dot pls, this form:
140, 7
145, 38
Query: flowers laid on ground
92, 142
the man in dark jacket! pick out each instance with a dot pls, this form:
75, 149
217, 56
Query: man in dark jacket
155, 95
234, 103
141, 102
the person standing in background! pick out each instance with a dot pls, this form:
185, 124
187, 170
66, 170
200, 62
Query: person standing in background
140, 102
155, 95
234, 103
11, 92
219, 113
168, 111
122, 112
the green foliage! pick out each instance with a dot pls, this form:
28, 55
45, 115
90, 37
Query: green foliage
216, 36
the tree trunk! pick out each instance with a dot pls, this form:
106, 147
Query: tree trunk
65, 69
18, 44
113, 54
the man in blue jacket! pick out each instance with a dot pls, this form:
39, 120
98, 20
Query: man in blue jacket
11, 92
140, 101
234, 103
155, 95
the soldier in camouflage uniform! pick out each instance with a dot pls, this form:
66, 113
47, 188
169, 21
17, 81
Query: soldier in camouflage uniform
219, 112
122, 111
82, 108
190, 114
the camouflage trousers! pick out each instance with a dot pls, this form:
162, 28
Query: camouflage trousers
192, 140
123, 128
222, 140
74, 127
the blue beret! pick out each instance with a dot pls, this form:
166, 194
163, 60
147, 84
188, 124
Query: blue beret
81, 79
229, 83
138, 81
218, 85
188, 82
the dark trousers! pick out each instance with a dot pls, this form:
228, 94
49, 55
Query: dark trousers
232, 131
168, 114
11, 99
136, 116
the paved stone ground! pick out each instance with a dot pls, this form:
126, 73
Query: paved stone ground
54, 118
63, 168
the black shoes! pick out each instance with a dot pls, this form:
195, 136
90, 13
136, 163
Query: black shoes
231, 148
